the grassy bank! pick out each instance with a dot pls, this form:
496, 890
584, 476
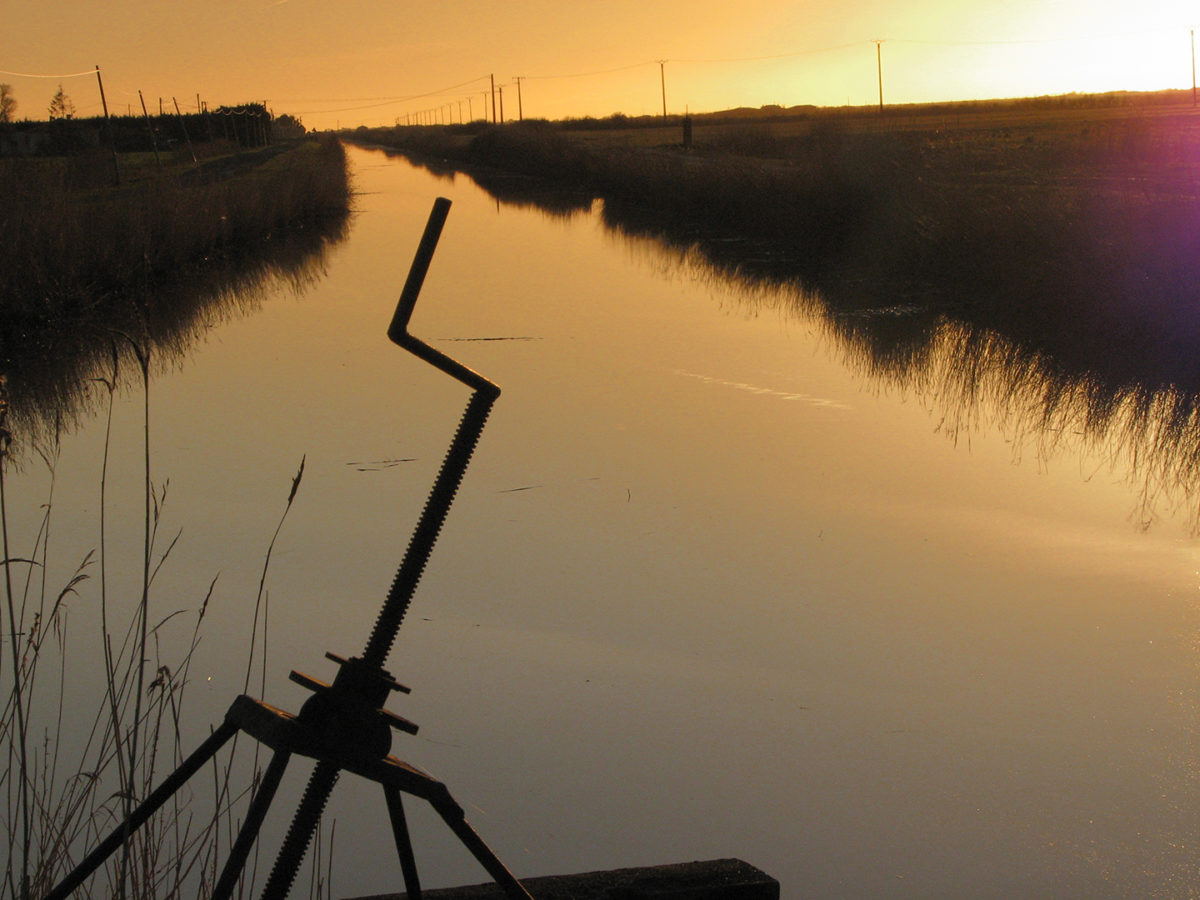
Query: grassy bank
72, 240
88, 267
1068, 228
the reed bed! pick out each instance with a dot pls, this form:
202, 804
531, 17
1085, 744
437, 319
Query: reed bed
1046, 254
70, 243
154, 259
1070, 230
75, 768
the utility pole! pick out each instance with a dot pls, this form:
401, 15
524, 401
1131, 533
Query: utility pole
111, 138
879, 67
520, 108
501, 104
662, 77
470, 110
150, 128
493, 77
183, 126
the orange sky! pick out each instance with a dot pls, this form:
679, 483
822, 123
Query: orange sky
356, 62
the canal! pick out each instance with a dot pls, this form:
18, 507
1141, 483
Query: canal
721, 580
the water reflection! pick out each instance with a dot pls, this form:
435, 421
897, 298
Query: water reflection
1051, 383
1142, 419
524, 192
51, 367
510, 188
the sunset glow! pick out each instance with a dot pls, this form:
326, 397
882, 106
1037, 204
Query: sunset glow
356, 62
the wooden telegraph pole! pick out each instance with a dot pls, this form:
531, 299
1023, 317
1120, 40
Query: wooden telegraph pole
108, 124
183, 125
662, 77
493, 77
150, 127
879, 68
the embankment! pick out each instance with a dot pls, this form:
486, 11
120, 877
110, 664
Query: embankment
68, 245
1076, 237
89, 270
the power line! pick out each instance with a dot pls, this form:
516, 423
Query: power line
29, 75
365, 103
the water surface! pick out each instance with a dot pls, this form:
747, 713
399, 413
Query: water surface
717, 583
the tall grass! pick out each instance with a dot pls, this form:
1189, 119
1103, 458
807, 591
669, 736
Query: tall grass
68, 247
1073, 236
73, 772
1098, 215
52, 346
84, 259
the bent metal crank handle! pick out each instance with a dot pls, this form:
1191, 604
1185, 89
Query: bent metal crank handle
457, 457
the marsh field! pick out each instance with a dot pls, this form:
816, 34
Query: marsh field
833, 516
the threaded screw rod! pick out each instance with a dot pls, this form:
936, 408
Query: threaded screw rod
428, 527
458, 457
299, 835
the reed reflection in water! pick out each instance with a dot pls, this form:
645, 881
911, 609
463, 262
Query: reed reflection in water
1138, 409
52, 368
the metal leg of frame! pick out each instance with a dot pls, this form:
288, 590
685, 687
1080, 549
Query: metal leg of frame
408, 862
236, 862
452, 815
144, 811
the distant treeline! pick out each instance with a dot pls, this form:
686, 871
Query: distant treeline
247, 125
